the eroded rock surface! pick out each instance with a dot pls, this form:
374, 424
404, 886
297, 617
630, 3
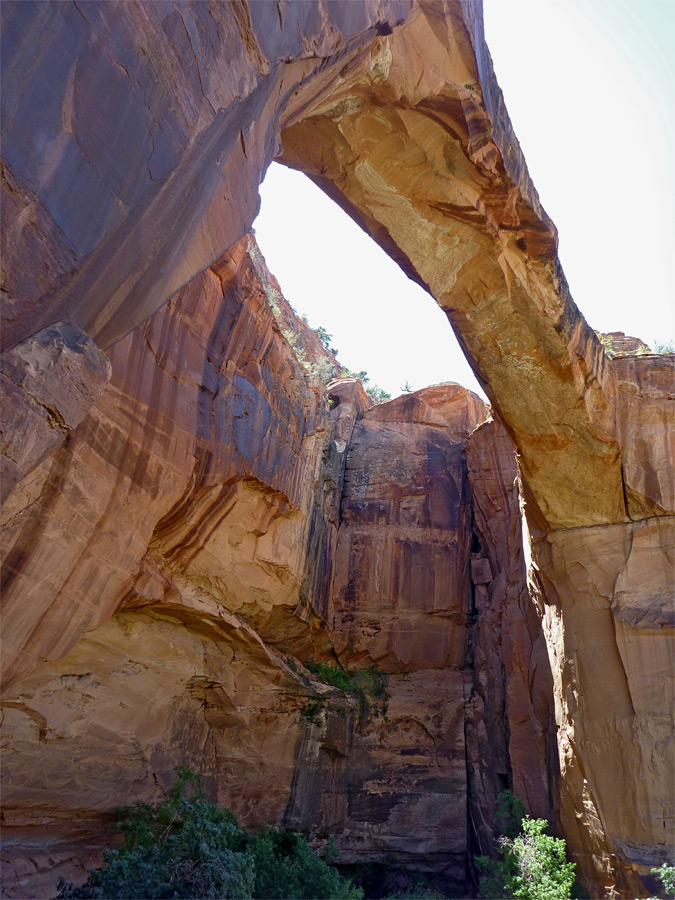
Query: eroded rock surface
510, 714
49, 383
230, 532
207, 405
401, 586
133, 144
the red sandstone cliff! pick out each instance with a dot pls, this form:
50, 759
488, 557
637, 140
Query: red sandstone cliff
193, 503
230, 499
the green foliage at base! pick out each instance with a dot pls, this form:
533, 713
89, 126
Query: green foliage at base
287, 867
369, 685
509, 815
188, 848
667, 875
542, 871
533, 865
419, 891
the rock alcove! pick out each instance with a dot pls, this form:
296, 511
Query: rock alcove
187, 520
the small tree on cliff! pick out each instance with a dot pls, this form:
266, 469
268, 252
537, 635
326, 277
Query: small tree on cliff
533, 865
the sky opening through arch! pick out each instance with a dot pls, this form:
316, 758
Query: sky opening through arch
589, 85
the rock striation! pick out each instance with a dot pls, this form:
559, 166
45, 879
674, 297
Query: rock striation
48, 383
228, 536
198, 511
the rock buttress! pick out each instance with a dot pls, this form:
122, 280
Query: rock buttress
170, 525
132, 149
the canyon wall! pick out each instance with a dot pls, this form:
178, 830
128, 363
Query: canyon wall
219, 518
186, 496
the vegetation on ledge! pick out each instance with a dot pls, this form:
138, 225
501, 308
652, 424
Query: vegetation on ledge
368, 686
188, 848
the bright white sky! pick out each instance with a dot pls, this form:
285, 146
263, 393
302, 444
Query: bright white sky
590, 88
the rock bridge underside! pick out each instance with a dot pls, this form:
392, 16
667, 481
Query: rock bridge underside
186, 519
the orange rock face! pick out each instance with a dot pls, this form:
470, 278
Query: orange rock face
177, 535
110, 515
226, 541
401, 586
48, 383
511, 735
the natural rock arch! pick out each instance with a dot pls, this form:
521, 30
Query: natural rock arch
133, 150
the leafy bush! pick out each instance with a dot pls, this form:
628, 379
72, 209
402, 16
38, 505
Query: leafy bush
188, 848
369, 685
286, 867
323, 370
362, 375
533, 865
510, 814
312, 711
607, 343
378, 394
664, 347
542, 871
666, 872
419, 891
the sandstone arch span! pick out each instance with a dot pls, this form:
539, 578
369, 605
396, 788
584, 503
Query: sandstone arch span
133, 144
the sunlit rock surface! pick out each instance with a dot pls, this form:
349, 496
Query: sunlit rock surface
133, 144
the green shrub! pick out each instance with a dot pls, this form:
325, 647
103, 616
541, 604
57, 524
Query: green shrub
362, 375
324, 337
533, 865
323, 370
666, 872
607, 343
542, 871
312, 711
188, 848
419, 891
287, 867
369, 685
378, 394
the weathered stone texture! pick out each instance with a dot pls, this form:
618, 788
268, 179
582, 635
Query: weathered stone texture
181, 500
135, 140
401, 585
613, 665
207, 405
510, 715
646, 416
48, 383
133, 144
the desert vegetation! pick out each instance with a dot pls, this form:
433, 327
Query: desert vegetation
367, 686
529, 864
186, 847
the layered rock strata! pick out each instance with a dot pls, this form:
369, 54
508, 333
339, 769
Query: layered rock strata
255, 528
174, 521
133, 144
48, 383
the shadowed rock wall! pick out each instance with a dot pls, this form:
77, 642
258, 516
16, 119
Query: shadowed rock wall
133, 143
